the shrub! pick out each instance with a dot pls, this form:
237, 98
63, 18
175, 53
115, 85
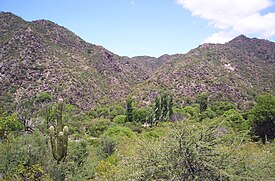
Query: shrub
140, 115
220, 107
97, 126
235, 120
119, 132
134, 126
119, 119
190, 111
208, 113
44, 97
114, 135
9, 123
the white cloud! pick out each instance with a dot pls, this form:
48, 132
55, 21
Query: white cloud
219, 37
233, 17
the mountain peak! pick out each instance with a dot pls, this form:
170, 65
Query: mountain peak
240, 38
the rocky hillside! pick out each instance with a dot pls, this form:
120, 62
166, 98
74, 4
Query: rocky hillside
42, 57
238, 70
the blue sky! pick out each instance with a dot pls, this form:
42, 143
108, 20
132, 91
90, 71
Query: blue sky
152, 27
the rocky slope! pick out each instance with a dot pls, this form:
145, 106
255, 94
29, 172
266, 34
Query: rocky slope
42, 57
238, 70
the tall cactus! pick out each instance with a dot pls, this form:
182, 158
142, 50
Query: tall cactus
59, 135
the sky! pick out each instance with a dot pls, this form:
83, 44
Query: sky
153, 27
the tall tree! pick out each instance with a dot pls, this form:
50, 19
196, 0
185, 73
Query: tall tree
263, 117
157, 111
170, 106
164, 107
202, 100
129, 110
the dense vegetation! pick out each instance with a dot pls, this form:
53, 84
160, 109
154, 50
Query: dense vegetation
200, 141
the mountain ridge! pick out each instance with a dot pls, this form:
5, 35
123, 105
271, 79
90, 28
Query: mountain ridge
41, 56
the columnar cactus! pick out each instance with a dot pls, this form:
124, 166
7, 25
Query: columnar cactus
59, 135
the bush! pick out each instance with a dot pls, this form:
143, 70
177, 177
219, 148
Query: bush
97, 126
9, 123
208, 113
27, 150
134, 126
190, 111
119, 119
220, 107
43, 97
183, 154
140, 115
113, 136
119, 132
235, 120
116, 110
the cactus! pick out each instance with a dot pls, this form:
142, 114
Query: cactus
59, 135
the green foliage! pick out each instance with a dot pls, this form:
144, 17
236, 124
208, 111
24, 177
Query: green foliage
96, 127
129, 111
164, 107
191, 151
78, 152
102, 112
264, 109
190, 112
32, 172
116, 110
220, 107
114, 135
9, 123
140, 115
154, 133
134, 126
208, 113
186, 153
202, 100
118, 132
235, 120
157, 111
24, 154
59, 136
120, 119
170, 107
263, 117
43, 97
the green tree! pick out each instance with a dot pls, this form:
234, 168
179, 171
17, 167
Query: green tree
202, 100
129, 111
220, 107
157, 111
164, 107
170, 106
263, 117
140, 115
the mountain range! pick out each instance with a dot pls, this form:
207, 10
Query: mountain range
42, 57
